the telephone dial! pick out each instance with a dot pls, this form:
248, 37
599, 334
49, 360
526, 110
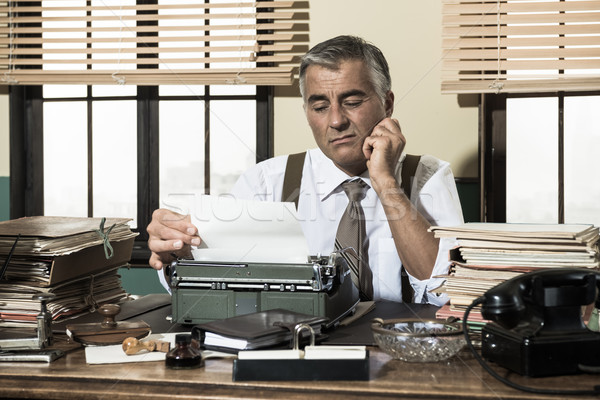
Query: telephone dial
537, 327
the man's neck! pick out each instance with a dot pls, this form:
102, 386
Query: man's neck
353, 170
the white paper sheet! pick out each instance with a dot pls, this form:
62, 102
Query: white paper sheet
248, 231
114, 354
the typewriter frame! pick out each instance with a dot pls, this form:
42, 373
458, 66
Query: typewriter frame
207, 291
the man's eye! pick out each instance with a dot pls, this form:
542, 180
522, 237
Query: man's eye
353, 103
320, 108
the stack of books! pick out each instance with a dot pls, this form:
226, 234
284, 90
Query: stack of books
76, 259
487, 254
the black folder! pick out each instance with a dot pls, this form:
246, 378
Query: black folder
253, 331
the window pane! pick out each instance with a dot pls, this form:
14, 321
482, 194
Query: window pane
181, 141
582, 141
114, 90
232, 142
181, 90
532, 160
115, 159
233, 90
64, 91
65, 159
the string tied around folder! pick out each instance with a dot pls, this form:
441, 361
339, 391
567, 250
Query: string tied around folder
89, 299
108, 250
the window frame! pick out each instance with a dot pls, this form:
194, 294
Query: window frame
26, 149
493, 151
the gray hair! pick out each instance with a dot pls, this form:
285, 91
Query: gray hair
332, 52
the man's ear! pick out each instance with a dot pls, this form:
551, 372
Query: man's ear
389, 104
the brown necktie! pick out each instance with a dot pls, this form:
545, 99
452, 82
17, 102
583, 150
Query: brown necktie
352, 233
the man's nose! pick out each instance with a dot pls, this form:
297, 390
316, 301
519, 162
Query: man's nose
337, 118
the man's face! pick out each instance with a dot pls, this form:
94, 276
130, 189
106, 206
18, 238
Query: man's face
342, 109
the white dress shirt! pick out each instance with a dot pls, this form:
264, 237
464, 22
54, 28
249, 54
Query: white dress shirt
322, 203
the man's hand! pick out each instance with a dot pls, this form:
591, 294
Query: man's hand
170, 235
382, 150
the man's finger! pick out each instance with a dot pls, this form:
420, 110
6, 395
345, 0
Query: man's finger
367, 147
155, 262
165, 246
173, 220
162, 232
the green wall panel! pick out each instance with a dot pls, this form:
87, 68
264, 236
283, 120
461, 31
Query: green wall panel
469, 200
140, 281
4, 198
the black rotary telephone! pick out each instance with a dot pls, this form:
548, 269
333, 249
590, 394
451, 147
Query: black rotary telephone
537, 327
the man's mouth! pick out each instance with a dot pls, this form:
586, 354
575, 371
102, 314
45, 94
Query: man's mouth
342, 139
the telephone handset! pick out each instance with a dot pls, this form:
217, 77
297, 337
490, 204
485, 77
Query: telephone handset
542, 302
537, 327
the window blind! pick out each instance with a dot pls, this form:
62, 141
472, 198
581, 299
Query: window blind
151, 42
520, 46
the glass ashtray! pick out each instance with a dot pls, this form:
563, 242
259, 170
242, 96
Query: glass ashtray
414, 340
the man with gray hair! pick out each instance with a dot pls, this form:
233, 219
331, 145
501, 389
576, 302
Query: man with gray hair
346, 90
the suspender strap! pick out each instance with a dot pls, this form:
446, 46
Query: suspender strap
293, 178
409, 168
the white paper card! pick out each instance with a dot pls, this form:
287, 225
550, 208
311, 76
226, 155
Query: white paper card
248, 231
114, 354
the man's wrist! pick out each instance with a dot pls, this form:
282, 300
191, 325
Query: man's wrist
386, 185
395, 204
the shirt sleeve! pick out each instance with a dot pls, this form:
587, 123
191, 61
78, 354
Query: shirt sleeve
261, 182
250, 185
437, 200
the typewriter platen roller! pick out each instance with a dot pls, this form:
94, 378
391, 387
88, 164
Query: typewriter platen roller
206, 291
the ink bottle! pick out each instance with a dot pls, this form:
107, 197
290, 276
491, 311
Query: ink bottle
183, 355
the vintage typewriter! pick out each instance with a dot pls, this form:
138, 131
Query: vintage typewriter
206, 291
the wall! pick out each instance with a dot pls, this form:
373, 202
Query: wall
409, 34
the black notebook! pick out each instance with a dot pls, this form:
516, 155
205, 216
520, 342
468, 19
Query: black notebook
254, 331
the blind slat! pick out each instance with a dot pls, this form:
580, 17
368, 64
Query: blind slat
145, 50
256, 76
146, 17
515, 46
491, 19
491, 54
540, 6
492, 30
492, 66
148, 39
232, 42
50, 6
154, 61
470, 43
523, 86
279, 25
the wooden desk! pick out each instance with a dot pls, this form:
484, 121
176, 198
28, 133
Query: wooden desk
458, 378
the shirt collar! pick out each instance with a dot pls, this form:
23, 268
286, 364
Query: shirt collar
330, 176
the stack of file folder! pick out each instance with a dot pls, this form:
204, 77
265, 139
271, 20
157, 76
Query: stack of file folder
490, 253
76, 259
